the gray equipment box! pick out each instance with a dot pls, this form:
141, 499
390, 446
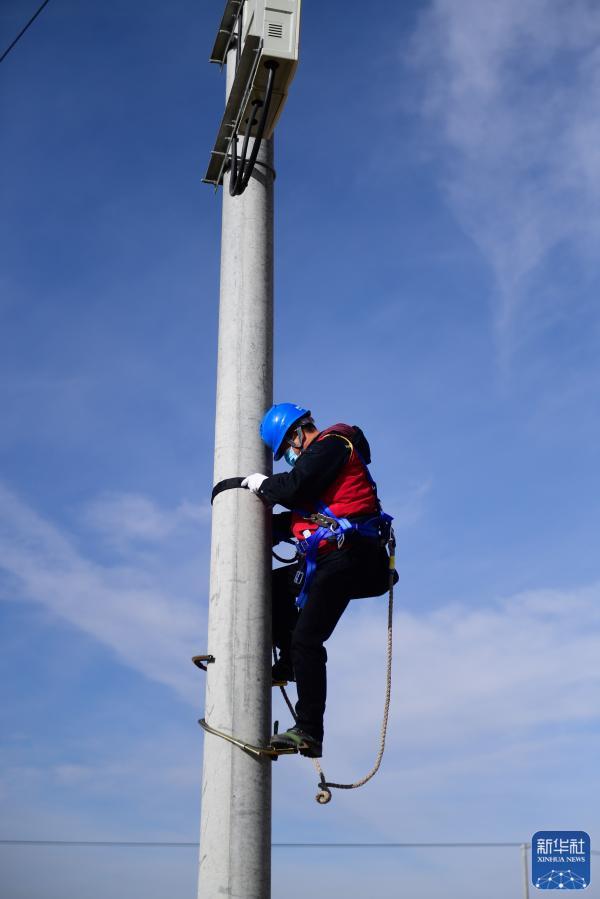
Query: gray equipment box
269, 31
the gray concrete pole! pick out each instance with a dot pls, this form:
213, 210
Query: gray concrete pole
235, 838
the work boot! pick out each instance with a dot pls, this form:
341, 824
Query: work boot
282, 672
300, 740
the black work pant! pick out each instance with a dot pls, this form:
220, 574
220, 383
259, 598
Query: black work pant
358, 569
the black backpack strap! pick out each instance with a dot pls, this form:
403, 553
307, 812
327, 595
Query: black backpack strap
226, 484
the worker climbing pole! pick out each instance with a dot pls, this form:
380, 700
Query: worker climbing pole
345, 549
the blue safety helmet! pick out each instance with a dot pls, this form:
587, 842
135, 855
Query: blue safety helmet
277, 422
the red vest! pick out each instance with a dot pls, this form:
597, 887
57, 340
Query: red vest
351, 493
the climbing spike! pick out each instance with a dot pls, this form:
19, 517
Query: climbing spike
269, 752
200, 661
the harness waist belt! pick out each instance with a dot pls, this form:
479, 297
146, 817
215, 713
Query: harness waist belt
377, 527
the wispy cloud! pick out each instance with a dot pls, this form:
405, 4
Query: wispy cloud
139, 611
512, 91
529, 661
462, 672
126, 518
486, 703
478, 693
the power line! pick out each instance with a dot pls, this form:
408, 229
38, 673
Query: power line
140, 843
396, 845
23, 30
182, 845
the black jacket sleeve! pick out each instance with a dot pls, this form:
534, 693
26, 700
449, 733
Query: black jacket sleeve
317, 467
282, 527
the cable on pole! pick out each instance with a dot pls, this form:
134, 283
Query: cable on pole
237, 175
240, 30
242, 168
23, 30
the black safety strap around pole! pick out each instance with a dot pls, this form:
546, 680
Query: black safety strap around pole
226, 484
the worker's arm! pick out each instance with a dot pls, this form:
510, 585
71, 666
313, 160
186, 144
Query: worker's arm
317, 467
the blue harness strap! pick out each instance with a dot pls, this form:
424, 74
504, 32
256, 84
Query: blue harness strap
376, 528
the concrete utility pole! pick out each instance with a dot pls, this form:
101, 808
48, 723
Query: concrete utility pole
235, 839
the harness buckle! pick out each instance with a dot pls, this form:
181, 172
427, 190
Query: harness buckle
298, 581
325, 521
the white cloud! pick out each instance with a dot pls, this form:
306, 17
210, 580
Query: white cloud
489, 706
136, 610
465, 673
475, 688
129, 517
512, 90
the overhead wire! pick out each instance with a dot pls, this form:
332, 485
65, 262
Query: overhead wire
298, 845
23, 30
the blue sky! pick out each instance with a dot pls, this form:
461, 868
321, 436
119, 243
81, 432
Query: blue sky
437, 279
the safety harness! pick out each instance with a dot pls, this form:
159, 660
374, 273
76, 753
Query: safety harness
333, 530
